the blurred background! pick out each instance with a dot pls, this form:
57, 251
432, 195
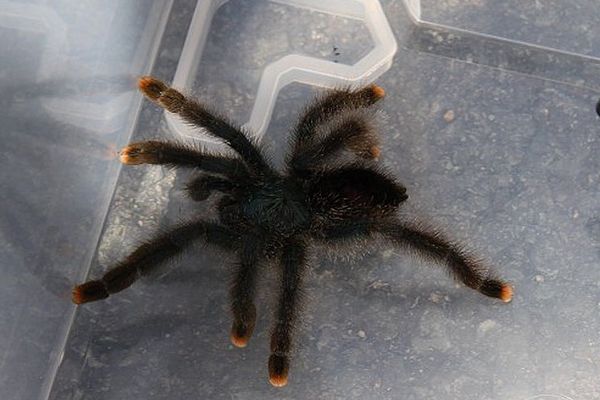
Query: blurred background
489, 121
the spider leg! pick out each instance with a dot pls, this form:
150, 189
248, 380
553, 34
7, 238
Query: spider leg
242, 291
200, 188
430, 245
181, 155
196, 114
330, 105
354, 134
151, 254
293, 262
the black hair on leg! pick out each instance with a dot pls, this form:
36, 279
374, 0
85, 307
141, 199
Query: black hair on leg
200, 188
331, 193
354, 134
181, 155
428, 244
151, 254
431, 245
196, 114
330, 105
293, 262
357, 135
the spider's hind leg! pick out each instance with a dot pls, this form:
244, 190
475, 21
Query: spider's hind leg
430, 244
151, 254
181, 155
293, 262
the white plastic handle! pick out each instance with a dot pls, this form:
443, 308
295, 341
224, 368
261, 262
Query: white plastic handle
294, 67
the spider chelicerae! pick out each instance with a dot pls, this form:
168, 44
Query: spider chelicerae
331, 192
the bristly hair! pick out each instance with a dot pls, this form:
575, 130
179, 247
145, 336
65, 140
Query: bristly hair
332, 193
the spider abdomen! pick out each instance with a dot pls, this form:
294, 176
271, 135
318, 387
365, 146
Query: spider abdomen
354, 192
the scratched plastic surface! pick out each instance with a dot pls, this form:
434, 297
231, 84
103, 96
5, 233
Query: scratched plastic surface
570, 26
498, 144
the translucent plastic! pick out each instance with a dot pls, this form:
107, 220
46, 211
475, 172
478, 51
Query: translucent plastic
568, 26
67, 76
494, 136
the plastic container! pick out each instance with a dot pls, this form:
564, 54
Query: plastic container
67, 74
488, 121
564, 26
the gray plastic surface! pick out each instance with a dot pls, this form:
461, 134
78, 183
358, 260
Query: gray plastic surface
571, 26
67, 77
496, 141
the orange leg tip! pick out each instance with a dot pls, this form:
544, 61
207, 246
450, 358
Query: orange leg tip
239, 341
279, 367
151, 87
278, 380
378, 91
506, 293
241, 333
89, 291
135, 154
127, 156
77, 295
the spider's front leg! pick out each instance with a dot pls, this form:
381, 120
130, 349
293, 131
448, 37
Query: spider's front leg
182, 155
242, 291
293, 262
151, 254
197, 114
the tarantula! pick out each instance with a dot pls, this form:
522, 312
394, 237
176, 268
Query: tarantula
264, 214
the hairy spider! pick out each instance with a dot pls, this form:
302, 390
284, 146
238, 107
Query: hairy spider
265, 215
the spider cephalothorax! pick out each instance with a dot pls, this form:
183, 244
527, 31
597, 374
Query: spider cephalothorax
264, 214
